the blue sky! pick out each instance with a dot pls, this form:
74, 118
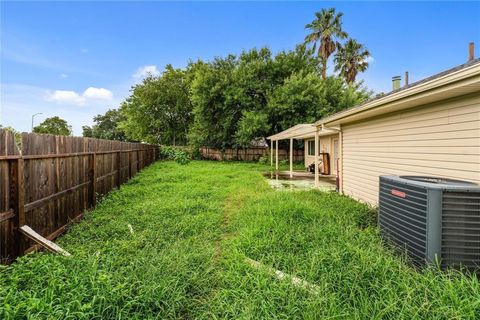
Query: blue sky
77, 59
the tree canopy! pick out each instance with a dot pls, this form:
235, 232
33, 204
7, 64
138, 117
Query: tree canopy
351, 59
16, 134
238, 100
159, 109
106, 126
326, 30
54, 125
230, 101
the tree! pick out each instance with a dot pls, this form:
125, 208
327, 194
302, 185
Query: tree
106, 126
305, 98
240, 100
159, 109
87, 132
216, 113
16, 134
54, 125
230, 95
252, 125
326, 29
350, 59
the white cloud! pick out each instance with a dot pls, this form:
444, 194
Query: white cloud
64, 96
98, 93
63, 76
18, 102
72, 97
144, 71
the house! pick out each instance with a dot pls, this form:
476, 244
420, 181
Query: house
430, 128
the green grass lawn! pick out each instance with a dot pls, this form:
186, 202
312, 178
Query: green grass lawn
194, 226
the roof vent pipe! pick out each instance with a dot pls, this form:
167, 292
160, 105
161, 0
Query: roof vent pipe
471, 51
406, 78
396, 82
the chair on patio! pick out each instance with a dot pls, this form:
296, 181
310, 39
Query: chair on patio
323, 164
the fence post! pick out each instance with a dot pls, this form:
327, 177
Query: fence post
18, 196
92, 159
130, 164
138, 161
119, 163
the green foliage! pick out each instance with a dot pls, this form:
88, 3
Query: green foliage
264, 159
54, 125
178, 154
159, 109
350, 59
17, 134
252, 125
193, 227
215, 112
326, 30
106, 126
305, 98
238, 100
234, 100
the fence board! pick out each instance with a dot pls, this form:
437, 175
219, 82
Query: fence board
8, 149
55, 179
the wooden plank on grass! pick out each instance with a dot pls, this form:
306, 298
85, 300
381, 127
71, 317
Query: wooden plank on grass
49, 245
284, 276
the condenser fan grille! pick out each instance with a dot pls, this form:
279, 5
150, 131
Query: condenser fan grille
461, 229
403, 220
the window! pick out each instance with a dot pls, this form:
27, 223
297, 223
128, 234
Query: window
311, 147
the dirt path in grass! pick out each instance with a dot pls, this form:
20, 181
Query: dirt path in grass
231, 205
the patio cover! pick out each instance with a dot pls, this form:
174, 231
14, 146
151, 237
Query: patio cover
300, 131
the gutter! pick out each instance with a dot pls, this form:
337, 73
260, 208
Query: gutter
422, 87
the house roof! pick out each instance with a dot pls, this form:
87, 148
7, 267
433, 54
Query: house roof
300, 131
460, 80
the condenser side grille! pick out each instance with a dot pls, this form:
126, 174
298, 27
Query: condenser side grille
461, 229
403, 219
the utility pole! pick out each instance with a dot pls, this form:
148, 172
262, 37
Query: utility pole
33, 116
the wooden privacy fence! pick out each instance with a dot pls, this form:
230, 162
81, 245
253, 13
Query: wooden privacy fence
248, 154
54, 179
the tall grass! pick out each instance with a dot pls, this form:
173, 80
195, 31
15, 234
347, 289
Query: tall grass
193, 228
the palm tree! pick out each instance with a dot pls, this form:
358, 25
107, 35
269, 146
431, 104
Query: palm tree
326, 29
350, 59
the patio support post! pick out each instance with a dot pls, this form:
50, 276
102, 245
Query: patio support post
276, 155
340, 161
316, 156
291, 158
271, 153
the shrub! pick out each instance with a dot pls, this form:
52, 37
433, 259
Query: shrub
178, 154
263, 159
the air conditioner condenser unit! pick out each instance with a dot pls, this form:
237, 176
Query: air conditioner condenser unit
433, 219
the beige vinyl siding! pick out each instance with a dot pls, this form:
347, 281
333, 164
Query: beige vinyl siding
308, 159
437, 140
